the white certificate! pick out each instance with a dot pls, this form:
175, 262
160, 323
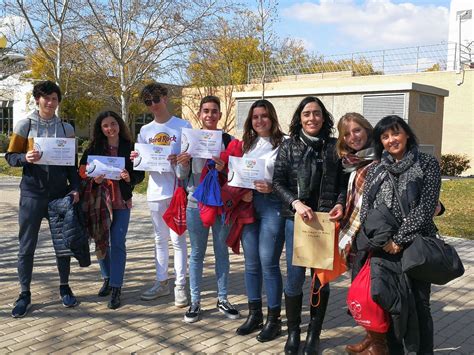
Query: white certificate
201, 143
152, 157
56, 151
244, 171
111, 167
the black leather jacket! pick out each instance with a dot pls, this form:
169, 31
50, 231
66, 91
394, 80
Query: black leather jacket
285, 183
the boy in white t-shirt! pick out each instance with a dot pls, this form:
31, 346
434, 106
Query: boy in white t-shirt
165, 129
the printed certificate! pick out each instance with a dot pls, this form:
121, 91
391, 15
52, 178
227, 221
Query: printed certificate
56, 151
111, 167
152, 158
244, 171
201, 143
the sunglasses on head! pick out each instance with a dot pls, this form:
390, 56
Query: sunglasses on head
149, 102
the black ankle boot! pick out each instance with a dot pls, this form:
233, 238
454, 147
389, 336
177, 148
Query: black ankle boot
114, 302
311, 346
254, 320
105, 289
293, 314
272, 327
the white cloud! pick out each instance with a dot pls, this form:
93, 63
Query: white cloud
375, 23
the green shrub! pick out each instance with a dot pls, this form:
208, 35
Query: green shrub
4, 141
83, 144
454, 164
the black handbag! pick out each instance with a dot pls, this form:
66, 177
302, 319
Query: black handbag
433, 260
429, 259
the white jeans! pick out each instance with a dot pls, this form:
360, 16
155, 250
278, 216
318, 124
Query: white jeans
162, 236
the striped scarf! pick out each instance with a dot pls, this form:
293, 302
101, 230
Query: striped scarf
97, 207
358, 164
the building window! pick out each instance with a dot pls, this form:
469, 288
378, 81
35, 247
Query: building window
140, 121
243, 108
427, 148
376, 107
6, 117
427, 103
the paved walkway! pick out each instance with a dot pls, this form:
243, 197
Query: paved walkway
157, 326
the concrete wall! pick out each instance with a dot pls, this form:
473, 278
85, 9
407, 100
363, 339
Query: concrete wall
18, 90
458, 107
427, 126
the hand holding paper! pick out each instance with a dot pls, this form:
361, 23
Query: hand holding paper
313, 242
201, 143
106, 166
243, 172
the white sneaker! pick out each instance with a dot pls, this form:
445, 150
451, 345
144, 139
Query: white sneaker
193, 314
180, 296
159, 289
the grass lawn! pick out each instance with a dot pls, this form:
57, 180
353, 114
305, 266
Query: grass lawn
141, 187
457, 196
458, 220
6, 169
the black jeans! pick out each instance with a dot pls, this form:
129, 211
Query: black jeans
421, 291
31, 213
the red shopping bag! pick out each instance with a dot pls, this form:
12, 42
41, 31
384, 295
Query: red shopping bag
175, 215
364, 310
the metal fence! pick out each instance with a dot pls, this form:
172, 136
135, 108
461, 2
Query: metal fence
437, 57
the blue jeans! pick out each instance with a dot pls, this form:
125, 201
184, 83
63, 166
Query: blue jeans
198, 235
262, 242
295, 274
113, 265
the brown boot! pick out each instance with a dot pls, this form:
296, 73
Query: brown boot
357, 348
378, 344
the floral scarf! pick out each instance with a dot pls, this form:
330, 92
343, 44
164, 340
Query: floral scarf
407, 174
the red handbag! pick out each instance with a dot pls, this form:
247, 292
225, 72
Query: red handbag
175, 215
364, 310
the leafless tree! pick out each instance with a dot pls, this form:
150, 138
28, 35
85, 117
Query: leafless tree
218, 65
136, 40
49, 23
266, 17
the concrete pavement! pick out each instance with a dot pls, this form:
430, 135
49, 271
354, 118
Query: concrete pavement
157, 326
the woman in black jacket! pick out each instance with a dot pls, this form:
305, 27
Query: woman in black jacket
308, 177
111, 138
417, 178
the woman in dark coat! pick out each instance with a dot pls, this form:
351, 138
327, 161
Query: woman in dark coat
308, 177
418, 180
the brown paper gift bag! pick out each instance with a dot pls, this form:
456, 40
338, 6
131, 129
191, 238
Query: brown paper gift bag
313, 242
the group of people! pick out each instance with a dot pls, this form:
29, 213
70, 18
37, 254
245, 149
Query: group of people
306, 171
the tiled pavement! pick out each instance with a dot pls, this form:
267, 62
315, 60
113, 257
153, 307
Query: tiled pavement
157, 326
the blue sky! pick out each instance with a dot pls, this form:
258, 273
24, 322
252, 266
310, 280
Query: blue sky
345, 26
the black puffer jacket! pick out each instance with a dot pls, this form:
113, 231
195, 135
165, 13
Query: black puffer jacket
68, 230
391, 289
285, 177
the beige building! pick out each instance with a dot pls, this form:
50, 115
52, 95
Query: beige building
439, 105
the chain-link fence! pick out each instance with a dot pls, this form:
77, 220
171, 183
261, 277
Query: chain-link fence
437, 57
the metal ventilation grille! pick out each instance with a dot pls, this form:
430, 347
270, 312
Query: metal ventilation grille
243, 108
427, 103
375, 107
427, 148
